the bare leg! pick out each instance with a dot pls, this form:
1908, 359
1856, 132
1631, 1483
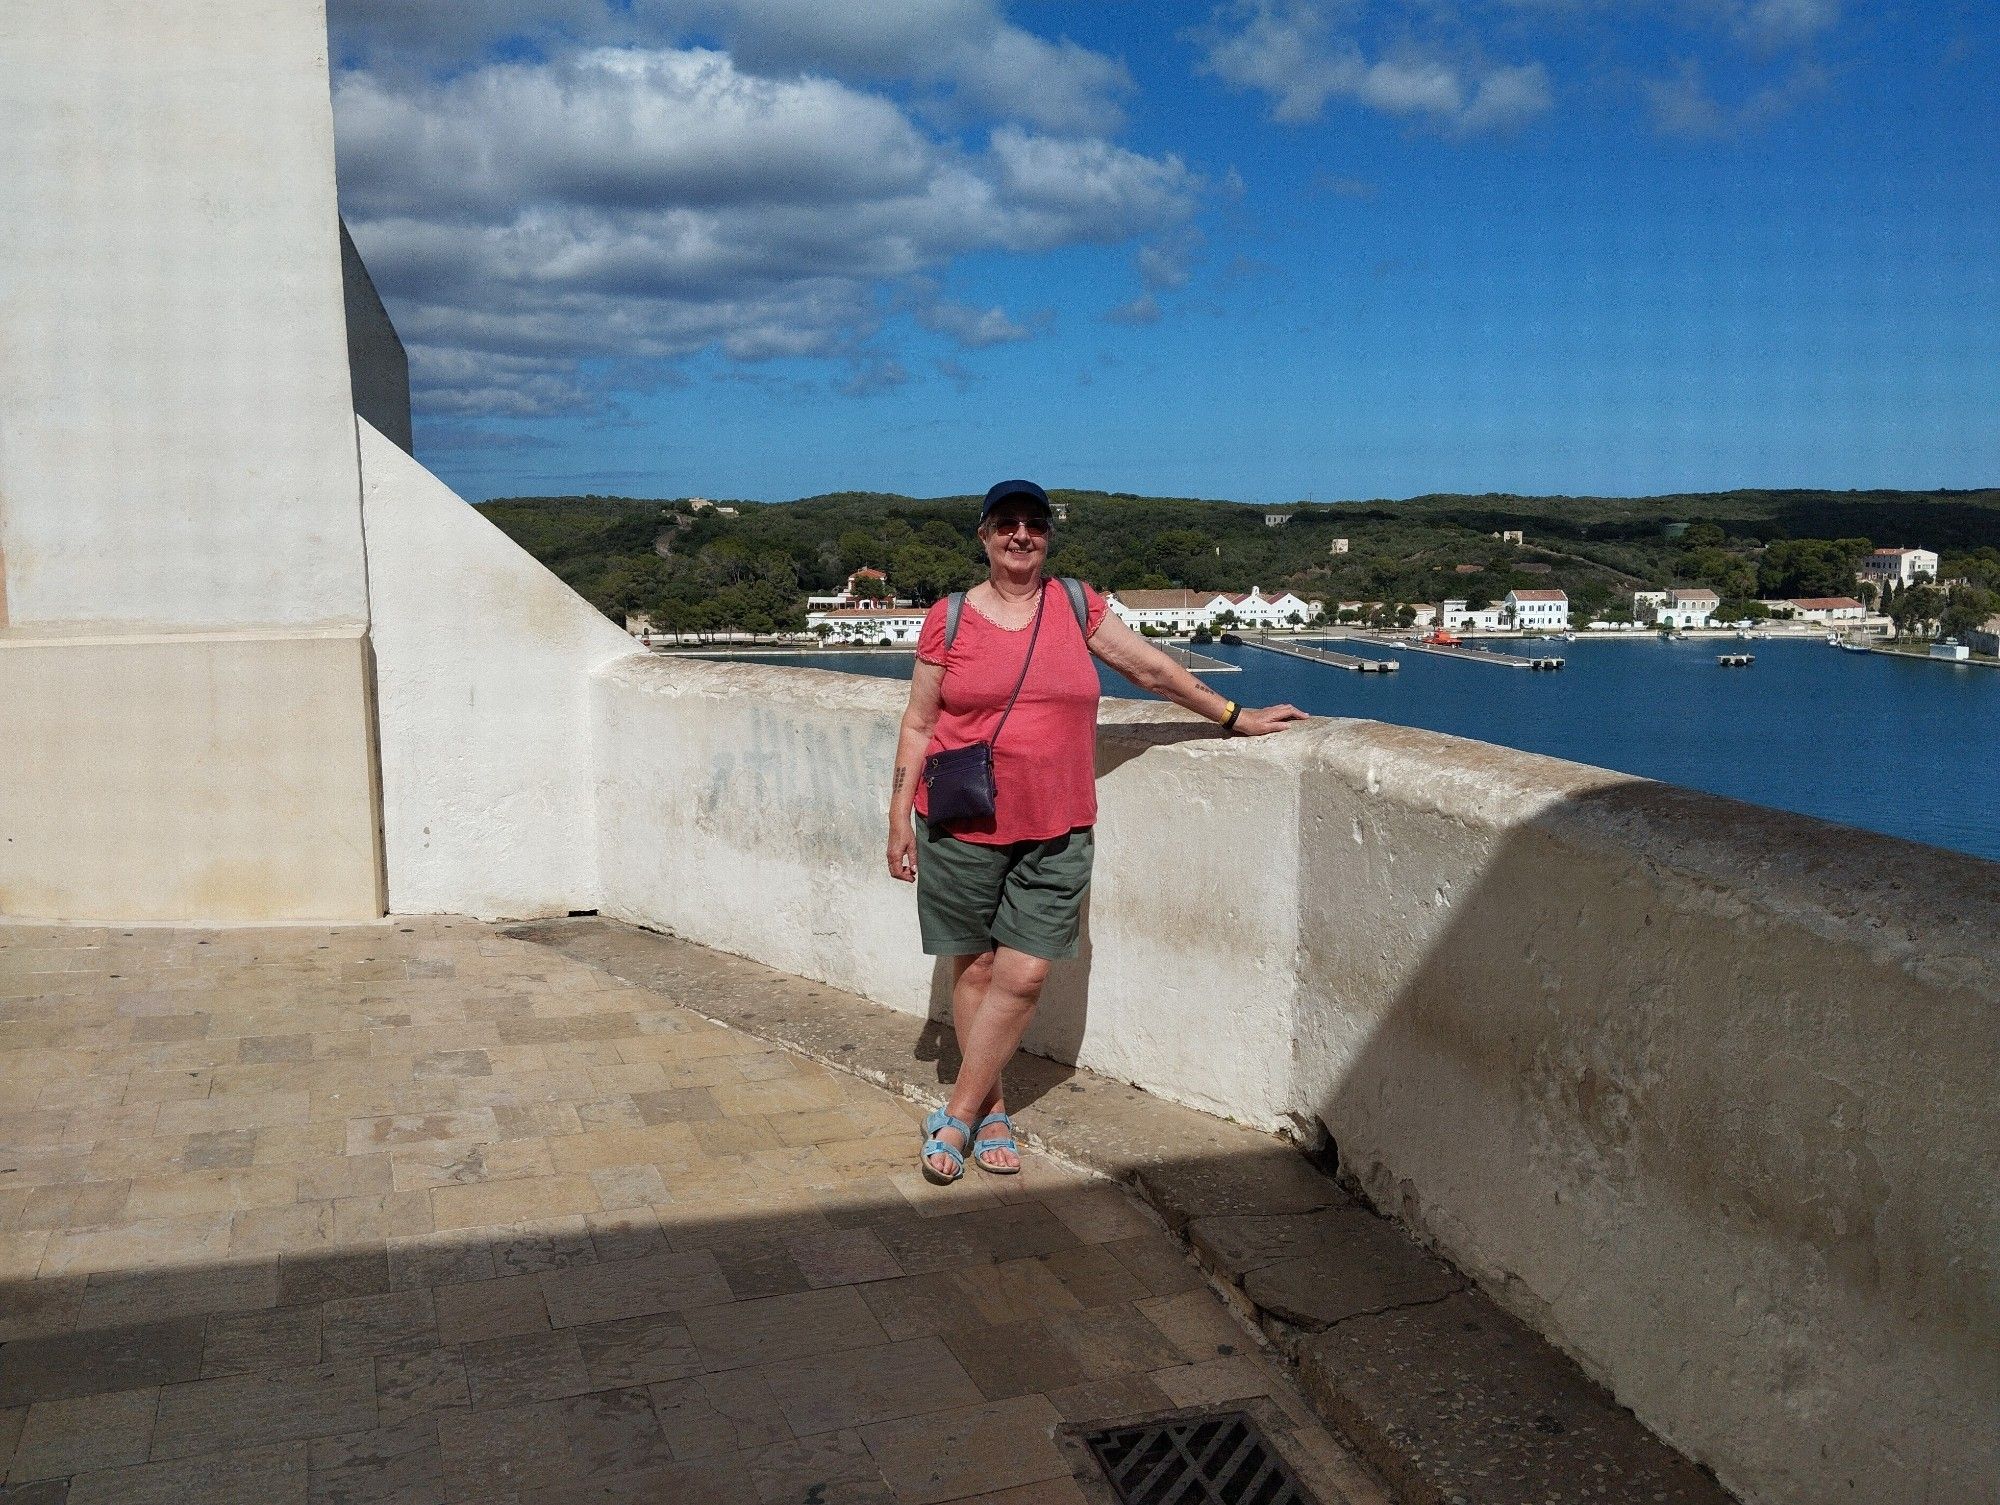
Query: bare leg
993, 999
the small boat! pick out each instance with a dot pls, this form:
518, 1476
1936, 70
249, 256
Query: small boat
1847, 647
1736, 660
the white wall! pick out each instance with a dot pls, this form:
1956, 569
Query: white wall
221, 776
176, 445
1704, 1092
482, 661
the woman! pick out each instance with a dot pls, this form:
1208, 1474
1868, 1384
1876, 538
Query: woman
1002, 895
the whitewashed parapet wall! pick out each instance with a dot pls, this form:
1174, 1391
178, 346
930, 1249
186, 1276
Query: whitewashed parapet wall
1704, 1092
482, 677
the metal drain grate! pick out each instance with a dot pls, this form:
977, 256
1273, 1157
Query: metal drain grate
1209, 1460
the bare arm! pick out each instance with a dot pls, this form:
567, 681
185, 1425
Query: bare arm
919, 718
1150, 669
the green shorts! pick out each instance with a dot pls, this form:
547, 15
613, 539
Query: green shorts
1027, 895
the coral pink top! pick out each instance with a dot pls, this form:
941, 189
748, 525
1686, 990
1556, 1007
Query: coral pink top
1045, 763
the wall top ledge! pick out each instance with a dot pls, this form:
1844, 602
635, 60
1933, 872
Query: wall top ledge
101, 634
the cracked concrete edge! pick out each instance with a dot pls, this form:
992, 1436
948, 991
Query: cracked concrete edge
1184, 1166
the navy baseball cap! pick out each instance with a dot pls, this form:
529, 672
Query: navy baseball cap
1008, 490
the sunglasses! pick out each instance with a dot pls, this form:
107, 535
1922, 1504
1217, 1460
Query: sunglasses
1038, 526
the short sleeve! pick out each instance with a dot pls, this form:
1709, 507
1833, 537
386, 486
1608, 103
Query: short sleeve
930, 641
1094, 608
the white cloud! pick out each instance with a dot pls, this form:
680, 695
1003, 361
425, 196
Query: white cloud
1144, 309
973, 327
1682, 104
1290, 51
622, 201
979, 63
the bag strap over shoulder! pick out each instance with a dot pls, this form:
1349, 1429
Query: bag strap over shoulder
1077, 603
954, 607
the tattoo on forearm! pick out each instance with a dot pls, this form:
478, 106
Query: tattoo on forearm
902, 777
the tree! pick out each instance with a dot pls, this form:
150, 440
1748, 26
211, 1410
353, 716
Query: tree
1917, 610
1810, 567
1967, 610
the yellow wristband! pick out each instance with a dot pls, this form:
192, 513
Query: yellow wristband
1229, 714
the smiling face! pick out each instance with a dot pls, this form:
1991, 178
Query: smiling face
1016, 537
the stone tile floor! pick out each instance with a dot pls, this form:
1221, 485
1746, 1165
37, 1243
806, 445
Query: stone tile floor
414, 1213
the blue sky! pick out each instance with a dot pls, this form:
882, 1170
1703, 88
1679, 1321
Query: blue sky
1260, 250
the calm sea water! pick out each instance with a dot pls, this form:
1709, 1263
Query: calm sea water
1909, 749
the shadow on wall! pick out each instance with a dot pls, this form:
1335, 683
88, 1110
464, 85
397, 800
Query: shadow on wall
1638, 1064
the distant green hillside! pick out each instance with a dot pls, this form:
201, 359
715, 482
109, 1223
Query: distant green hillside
696, 569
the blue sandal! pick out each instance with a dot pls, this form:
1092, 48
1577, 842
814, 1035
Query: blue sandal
940, 1119
998, 1142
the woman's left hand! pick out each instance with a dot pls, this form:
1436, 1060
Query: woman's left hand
1261, 723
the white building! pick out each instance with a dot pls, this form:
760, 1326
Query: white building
1456, 616
1537, 611
863, 624
1185, 610
1899, 567
1338, 546
1823, 609
1276, 519
1692, 607
852, 594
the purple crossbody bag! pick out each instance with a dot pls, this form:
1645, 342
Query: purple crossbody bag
958, 783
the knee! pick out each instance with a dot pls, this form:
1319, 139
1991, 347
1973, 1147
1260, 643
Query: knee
978, 971
1022, 976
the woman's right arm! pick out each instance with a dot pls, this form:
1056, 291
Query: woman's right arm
919, 718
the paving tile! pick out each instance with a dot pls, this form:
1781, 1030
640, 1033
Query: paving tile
273, 1406
614, 1432
273, 1475
548, 1244
1108, 1341
189, 1291
754, 1270
47, 1492
285, 1337
834, 1467
410, 1385
503, 1372
1157, 1262
456, 1162
1124, 1398
485, 1309
1089, 1275
435, 1259
12, 1419
392, 1465
487, 1451
63, 1437
1099, 1214
636, 1351
677, 1105
951, 1454
633, 1288
397, 1322
153, 1243
783, 1327
846, 1256
1045, 1492
859, 1385
1215, 1381
715, 1415
103, 1359
625, 1232
294, 1228
332, 1274
1015, 1358
489, 1204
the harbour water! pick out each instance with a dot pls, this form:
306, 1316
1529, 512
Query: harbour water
1908, 748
